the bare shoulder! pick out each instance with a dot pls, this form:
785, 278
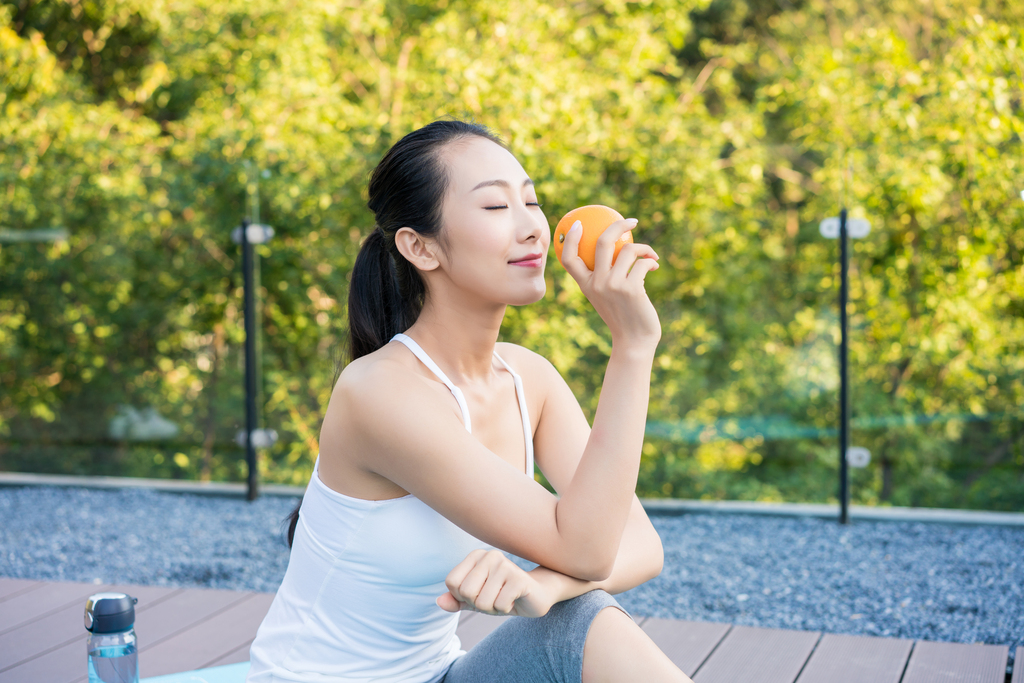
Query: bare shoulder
378, 403
374, 381
365, 370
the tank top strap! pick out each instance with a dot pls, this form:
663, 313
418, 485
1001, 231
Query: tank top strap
527, 429
426, 360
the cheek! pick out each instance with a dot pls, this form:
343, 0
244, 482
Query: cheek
485, 250
477, 258
470, 241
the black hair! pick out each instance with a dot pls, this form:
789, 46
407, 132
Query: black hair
407, 190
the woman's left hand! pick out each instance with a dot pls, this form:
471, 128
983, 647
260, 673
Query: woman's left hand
487, 581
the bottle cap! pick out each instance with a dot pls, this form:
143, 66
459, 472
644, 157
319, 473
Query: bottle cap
109, 612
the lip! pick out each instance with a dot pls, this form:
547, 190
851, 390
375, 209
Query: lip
529, 261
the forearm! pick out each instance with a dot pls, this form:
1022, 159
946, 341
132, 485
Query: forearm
639, 559
593, 510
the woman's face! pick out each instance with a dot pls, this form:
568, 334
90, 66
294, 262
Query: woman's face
496, 235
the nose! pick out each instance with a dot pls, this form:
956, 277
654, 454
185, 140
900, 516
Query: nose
530, 224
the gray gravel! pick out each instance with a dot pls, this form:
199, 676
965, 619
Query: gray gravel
907, 580
143, 537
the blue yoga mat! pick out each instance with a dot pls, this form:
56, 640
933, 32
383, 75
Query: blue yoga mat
230, 673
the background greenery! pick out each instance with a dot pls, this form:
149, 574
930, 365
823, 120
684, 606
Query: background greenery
729, 128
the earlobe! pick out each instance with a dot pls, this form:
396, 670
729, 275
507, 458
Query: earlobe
417, 249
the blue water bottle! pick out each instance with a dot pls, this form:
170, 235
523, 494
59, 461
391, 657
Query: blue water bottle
110, 621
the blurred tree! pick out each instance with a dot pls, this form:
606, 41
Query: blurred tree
726, 127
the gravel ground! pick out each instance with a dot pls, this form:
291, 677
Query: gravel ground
907, 580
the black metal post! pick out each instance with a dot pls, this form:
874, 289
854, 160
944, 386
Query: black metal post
844, 374
248, 262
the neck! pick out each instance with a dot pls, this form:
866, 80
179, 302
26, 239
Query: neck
459, 336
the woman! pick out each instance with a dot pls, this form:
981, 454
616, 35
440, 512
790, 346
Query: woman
428, 444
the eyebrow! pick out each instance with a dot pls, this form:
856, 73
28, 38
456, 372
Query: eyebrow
499, 183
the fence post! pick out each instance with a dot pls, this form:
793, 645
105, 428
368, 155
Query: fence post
844, 229
251, 419
844, 371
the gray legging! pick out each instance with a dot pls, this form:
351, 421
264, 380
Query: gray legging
544, 650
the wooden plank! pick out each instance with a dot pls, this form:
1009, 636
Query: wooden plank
1018, 666
208, 640
67, 663
472, 630
36, 604
65, 625
180, 612
240, 654
956, 663
160, 620
186, 610
197, 628
687, 643
758, 654
62, 665
11, 587
857, 659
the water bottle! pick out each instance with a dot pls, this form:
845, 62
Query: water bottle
110, 621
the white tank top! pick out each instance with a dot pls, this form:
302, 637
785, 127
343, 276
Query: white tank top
357, 603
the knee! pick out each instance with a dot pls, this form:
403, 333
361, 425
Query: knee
617, 649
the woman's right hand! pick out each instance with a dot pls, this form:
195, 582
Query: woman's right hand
617, 291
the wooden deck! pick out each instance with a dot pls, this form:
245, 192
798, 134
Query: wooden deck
42, 640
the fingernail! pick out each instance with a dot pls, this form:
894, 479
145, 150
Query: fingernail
576, 226
632, 220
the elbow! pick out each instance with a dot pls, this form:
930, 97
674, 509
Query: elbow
657, 562
597, 573
593, 568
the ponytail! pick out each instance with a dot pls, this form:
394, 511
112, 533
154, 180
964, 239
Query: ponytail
385, 297
293, 521
407, 190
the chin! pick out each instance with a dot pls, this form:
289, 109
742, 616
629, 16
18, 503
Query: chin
531, 297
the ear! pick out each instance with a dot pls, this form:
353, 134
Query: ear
418, 250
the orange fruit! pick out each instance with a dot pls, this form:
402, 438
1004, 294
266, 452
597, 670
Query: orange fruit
595, 219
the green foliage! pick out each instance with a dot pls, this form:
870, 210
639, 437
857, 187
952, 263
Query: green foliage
730, 129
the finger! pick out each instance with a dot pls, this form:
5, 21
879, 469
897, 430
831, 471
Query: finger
499, 570
471, 560
571, 242
640, 269
490, 591
506, 598
471, 586
457, 575
606, 243
570, 253
643, 250
629, 254
448, 603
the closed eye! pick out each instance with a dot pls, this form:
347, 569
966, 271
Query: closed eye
505, 206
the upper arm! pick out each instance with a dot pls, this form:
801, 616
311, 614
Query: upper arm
404, 435
562, 428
